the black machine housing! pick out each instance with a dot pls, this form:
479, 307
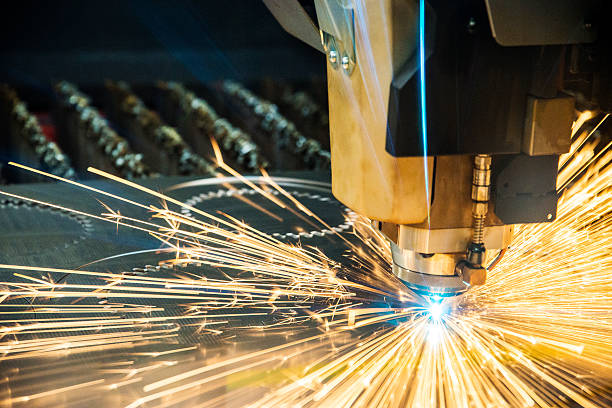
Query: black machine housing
495, 72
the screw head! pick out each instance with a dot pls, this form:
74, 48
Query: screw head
333, 56
345, 62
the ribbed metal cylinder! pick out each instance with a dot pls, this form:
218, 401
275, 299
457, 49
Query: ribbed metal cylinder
481, 185
478, 230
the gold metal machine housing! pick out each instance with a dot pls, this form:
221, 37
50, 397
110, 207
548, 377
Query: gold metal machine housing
447, 119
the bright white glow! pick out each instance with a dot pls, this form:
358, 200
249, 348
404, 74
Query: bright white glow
436, 310
434, 332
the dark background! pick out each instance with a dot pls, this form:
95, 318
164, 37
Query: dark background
146, 40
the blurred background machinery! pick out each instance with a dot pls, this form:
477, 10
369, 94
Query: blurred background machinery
138, 89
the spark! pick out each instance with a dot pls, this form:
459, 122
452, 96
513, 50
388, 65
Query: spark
337, 333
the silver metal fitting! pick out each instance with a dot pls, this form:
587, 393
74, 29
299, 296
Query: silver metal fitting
471, 270
480, 208
471, 275
481, 186
481, 179
431, 274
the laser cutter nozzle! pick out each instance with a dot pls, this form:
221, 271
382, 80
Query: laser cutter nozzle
455, 264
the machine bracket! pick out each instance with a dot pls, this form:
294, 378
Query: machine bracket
337, 27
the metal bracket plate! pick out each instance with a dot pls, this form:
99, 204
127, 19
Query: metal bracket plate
294, 19
337, 26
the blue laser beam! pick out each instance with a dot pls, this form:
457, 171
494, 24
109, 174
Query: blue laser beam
422, 95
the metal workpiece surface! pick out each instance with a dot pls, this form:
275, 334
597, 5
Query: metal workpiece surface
82, 240
37, 235
123, 321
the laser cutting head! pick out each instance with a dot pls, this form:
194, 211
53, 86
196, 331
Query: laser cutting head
447, 120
